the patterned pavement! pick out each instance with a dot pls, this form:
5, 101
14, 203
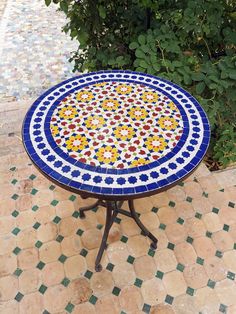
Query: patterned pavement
33, 52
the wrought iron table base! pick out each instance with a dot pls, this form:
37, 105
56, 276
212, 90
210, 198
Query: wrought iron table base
113, 209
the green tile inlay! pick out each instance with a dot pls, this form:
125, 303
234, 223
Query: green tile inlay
209, 234
234, 246
83, 252
15, 213
198, 215
195, 180
190, 291
56, 219
219, 254
14, 181
189, 199
130, 259
211, 284
32, 177
230, 275
155, 209
223, 308
169, 299
72, 198
189, 240
18, 272
59, 238
35, 208
13, 168
171, 204
231, 204
33, 191
62, 258
36, 225
124, 239
226, 227
117, 220
93, 299
222, 190
16, 250
138, 282
110, 266
180, 267
45, 312
19, 296
122, 312
159, 274
38, 244
205, 194
170, 246
181, 183
146, 308
180, 221
151, 252
80, 232
200, 261
40, 265
42, 289
15, 231
162, 226
88, 274
99, 226
75, 214
52, 187
65, 282
215, 210
69, 308
54, 202
116, 291
95, 209
15, 196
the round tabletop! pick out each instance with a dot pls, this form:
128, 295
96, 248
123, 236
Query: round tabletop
116, 134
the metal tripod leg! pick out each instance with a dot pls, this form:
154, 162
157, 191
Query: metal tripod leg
84, 209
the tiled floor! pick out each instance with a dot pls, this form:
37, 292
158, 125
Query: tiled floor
47, 252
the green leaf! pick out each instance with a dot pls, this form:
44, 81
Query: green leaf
133, 45
140, 54
232, 74
143, 64
141, 39
200, 88
48, 2
198, 76
102, 12
64, 6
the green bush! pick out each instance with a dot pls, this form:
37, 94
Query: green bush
189, 42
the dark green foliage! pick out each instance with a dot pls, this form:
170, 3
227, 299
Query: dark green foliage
189, 42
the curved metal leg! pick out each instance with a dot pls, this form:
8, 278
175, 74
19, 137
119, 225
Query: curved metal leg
141, 226
84, 209
98, 266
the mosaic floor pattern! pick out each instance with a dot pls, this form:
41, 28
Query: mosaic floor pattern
47, 252
34, 52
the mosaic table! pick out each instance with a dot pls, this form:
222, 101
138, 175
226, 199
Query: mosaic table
116, 136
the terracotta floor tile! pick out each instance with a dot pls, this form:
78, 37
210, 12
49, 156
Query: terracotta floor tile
225, 290
129, 227
176, 194
89, 222
9, 307
162, 309
232, 232
145, 267
176, 233
28, 258
153, 291
27, 238
24, 202
7, 224
227, 215
204, 247
160, 200
115, 233
29, 280
193, 189
101, 215
45, 214
174, 283
61, 194
80, 291
209, 184
91, 257
25, 219
137, 245
143, 205
91, 238
131, 299
52, 273
185, 253
50, 251
24, 186
85, 308
59, 294
47, 232
8, 264
71, 245
195, 276
195, 227
42, 198
68, 226
165, 260
184, 210
161, 237
206, 300
123, 274
7, 207
8, 288
7, 243
223, 241
229, 259
202, 205
150, 220
65, 208
167, 215
231, 309
108, 305
215, 268
102, 283
212, 222
31, 303
75, 266
218, 199
184, 304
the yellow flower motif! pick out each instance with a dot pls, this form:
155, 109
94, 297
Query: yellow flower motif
100, 84
150, 97
84, 96
138, 113
139, 162
67, 112
54, 130
95, 122
168, 123
123, 89
172, 106
124, 132
77, 142
107, 154
156, 143
110, 104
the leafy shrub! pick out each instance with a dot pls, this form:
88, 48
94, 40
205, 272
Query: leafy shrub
191, 43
